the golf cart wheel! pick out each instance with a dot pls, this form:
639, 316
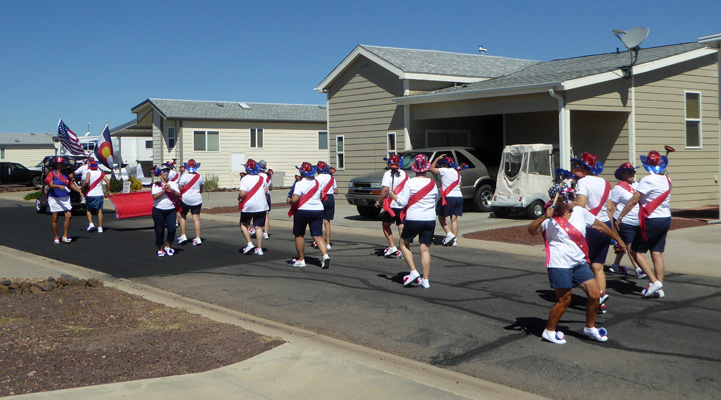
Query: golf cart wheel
368, 212
483, 197
40, 207
502, 212
535, 209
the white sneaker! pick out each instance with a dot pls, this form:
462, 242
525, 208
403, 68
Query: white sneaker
640, 274
100, 229
652, 288
659, 294
299, 264
67, 239
447, 239
182, 239
197, 242
455, 242
90, 227
410, 278
425, 284
390, 251
258, 251
556, 337
603, 297
248, 248
328, 247
265, 236
251, 231
169, 251
326, 262
161, 253
597, 334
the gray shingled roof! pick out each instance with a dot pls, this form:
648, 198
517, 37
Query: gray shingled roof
445, 63
16, 139
225, 110
571, 68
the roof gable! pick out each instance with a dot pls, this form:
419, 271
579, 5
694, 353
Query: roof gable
26, 139
236, 111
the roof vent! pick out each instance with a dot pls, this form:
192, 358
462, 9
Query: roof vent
220, 104
244, 106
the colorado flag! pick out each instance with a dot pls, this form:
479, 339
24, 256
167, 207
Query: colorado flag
104, 148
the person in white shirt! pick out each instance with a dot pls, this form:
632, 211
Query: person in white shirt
267, 174
653, 195
93, 183
629, 230
329, 189
564, 226
166, 200
592, 193
451, 204
306, 208
190, 184
418, 199
253, 206
82, 172
394, 180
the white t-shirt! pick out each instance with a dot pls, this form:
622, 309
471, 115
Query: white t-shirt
173, 176
268, 182
163, 202
82, 172
425, 208
98, 189
564, 251
651, 187
388, 180
257, 203
593, 187
620, 197
448, 176
192, 196
323, 180
302, 187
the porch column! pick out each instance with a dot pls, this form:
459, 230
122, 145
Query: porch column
406, 117
564, 131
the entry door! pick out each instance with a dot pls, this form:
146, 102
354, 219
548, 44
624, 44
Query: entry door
438, 138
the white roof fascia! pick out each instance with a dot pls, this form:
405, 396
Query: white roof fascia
442, 78
358, 51
477, 94
714, 40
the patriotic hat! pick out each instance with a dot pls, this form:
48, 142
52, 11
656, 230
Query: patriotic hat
60, 160
322, 167
168, 165
654, 162
251, 167
590, 161
624, 167
421, 164
331, 170
93, 165
156, 170
192, 166
263, 164
565, 193
307, 169
452, 163
394, 161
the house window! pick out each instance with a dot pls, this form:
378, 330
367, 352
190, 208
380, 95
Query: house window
693, 120
148, 144
322, 140
256, 138
206, 141
171, 138
2, 154
340, 152
391, 143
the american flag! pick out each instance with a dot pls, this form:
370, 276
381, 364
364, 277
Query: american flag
69, 139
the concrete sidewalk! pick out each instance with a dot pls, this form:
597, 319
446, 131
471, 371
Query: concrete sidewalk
309, 365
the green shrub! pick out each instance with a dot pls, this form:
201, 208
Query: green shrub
211, 183
116, 186
32, 195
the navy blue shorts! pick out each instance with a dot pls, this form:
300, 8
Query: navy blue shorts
94, 203
304, 218
423, 229
387, 219
267, 198
629, 233
329, 208
597, 244
656, 230
568, 278
258, 218
454, 206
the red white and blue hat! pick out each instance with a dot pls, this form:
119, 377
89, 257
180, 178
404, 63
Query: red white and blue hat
252, 167
590, 161
421, 164
323, 167
192, 166
93, 165
627, 166
263, 164
394, 161
654, 162
307, 169
60, 160
168, 165
452, 163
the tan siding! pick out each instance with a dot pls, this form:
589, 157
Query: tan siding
28, 156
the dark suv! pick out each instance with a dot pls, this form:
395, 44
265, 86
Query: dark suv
17, 174
41, 203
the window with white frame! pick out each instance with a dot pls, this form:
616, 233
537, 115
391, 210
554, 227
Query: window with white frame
391, 143
148, 144
693, 120
256, 138
206, 141
322, 140
340, 152
171, 138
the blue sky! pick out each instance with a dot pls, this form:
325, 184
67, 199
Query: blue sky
92, 61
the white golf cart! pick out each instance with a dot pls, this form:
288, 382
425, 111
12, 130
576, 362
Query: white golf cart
524, 177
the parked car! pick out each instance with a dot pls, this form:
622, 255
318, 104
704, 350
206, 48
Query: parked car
524, 177
478, 181
41, 203
18, 174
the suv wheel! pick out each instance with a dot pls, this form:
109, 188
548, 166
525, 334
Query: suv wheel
36, 181
535, 209
483, 197
368, 212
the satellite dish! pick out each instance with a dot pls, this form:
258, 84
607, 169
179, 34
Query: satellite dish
632, 38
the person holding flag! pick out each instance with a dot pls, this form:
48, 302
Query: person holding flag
94, 180
59, 198
393, 180
166, 197
253, 206
329, 189
191, 200
306, 208
418, 199
451, 197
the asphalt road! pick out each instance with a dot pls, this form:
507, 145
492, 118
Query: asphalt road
483, 314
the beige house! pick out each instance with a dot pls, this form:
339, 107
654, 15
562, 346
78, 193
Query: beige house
27, 149
223, 135
600, 104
